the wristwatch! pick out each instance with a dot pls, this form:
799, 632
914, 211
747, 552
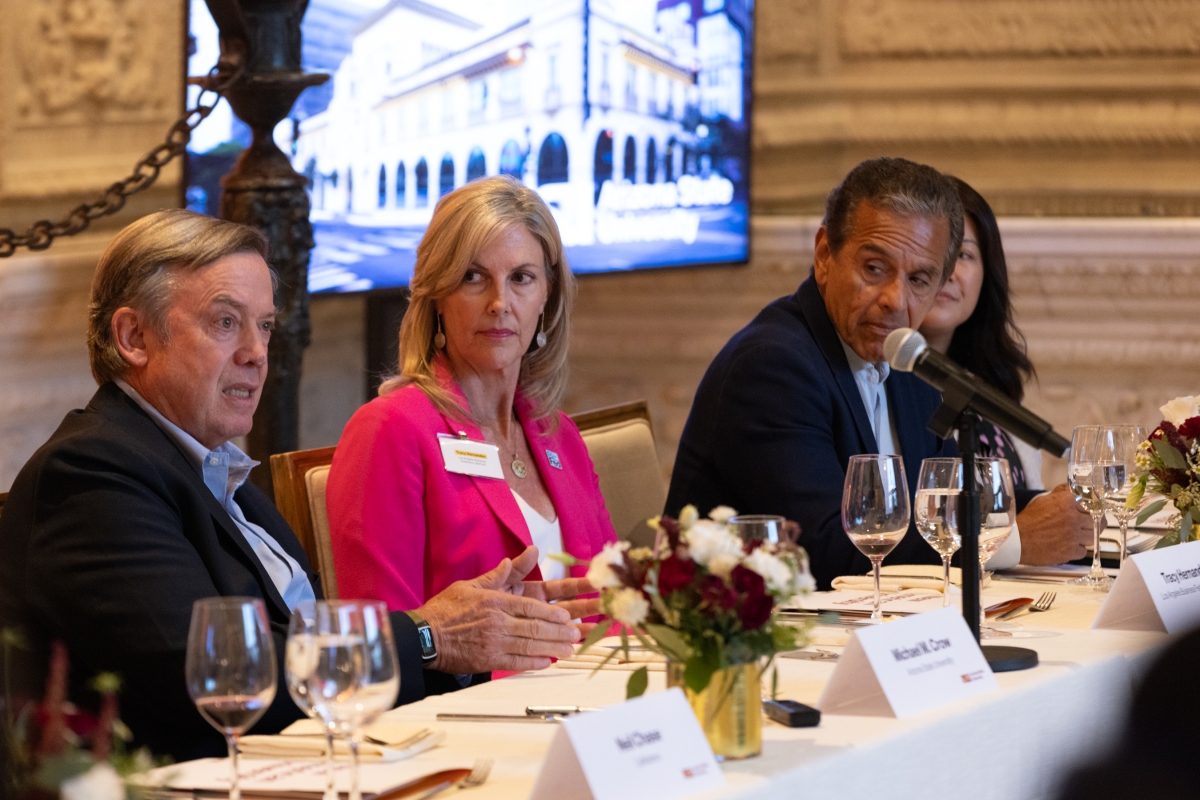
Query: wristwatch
425, 636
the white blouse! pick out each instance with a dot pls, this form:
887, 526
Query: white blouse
547, 537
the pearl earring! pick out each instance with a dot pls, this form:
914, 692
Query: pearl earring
541, 334
439, 338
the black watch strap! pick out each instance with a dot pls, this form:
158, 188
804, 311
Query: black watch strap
425, 636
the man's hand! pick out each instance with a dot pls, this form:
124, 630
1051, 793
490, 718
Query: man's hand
562, 593
1054, 529
483, 624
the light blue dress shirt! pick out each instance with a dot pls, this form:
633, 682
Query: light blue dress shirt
224, 470
869, 378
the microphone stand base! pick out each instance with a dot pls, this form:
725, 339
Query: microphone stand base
1002, 658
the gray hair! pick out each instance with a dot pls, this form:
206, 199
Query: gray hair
138, 271
901, 186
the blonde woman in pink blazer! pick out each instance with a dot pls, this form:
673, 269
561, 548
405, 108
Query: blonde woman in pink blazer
483, 368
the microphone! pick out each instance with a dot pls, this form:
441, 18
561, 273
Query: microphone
907, 351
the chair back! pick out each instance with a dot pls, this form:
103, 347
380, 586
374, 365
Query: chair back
3, 497
299, 478
620, 442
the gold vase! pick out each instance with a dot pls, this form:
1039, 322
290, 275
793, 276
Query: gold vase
729, 709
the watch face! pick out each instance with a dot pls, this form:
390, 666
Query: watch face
427, 648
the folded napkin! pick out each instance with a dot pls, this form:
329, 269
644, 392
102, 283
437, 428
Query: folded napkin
898, 577
638, 657
388, 741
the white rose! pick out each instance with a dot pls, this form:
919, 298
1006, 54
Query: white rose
722, 514
1180, 409
688, 517
722, 564
101, 782
628, 606
599, 573
707, 540
778, 574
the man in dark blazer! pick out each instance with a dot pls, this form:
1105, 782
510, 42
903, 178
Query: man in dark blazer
780, 411
138, 505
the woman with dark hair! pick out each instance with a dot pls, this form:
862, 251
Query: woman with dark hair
972, 322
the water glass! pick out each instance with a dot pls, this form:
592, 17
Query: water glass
299, 663
875, 509
997, 515
758, 528
936, 511
230, 668
1126, 441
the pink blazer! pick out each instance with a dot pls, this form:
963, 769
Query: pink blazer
404, 528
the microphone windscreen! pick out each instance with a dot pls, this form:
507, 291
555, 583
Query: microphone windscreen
902, 347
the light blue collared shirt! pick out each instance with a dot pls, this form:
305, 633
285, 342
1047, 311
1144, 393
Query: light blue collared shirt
224, 470
869, 378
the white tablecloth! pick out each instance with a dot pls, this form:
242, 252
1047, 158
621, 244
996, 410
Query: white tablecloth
1015, 743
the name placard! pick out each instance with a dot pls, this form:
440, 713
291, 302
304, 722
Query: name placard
653, 743
908, 666
1158, 590
468, 457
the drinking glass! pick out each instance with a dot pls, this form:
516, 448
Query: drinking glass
299, 662
997, 515
230, 668
1093, 474
758, 528
936, 511
1126, 441
875, 509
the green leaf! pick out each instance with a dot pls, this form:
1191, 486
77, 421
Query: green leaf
566, 558
1185, 528
1136, 493
670, 641
1150, 510
775, 683
638, 682
596, 635
700, 667
1171, 538
1171, 457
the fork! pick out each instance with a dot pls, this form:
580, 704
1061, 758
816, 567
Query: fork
1044, 602
479, 774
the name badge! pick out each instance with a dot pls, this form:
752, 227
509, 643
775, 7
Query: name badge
908, 666
468, 457
1158, 590
653, 743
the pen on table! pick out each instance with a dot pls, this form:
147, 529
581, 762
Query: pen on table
532, 714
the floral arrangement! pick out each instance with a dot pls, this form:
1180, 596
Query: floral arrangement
44, 746
1169, 464
699, 597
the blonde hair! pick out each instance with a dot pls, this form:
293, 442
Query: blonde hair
463, 223
138, 268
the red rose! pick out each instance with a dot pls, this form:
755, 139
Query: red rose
1190, 428
715, 594
675, 573
747, 582
756, 611
670, 527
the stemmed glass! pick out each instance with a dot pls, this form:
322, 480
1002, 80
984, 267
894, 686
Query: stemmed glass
875, 509
936, 511
997, 515
759, 528
1126, 441
299, 664
230, 668
1094, 474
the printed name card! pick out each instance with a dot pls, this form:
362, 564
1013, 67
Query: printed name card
908, 666
468, 457
1158, 590
654, 743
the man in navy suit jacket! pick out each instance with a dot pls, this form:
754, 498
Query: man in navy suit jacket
780, 410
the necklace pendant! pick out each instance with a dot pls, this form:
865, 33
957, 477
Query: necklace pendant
518, 467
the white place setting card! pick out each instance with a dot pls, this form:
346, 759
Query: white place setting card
905, 601
654, 743
908, 666
1158, 590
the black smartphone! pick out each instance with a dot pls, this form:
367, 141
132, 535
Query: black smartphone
792, 714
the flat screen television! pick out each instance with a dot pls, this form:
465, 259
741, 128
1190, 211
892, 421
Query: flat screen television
631, 118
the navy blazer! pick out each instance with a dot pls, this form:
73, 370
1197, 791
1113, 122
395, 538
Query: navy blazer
775, 421
108, 537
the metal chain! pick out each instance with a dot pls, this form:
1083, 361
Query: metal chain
42, 233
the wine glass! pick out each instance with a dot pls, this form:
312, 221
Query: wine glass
299, 662
380, 676
1126, 441
230, 669
997, 515
1092, 474
936, 511
875, 509
758, 528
